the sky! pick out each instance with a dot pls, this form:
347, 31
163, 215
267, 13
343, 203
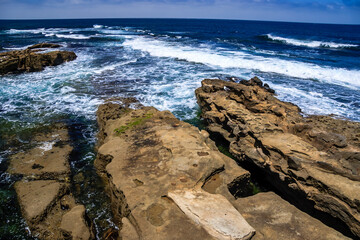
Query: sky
316, 11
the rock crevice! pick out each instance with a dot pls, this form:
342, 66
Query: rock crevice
314, 158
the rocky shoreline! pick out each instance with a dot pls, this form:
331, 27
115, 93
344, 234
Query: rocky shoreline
166, 179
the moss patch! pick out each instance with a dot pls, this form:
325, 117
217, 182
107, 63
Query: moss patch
134, 122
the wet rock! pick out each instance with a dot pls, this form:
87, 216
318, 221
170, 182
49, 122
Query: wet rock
44, 190
32, 60
309, 159
144, 156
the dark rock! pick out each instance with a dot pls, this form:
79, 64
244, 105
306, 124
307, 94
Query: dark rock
45, 45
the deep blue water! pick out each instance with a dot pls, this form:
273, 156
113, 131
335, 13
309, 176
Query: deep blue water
162, 62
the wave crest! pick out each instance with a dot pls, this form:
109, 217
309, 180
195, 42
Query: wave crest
309, 43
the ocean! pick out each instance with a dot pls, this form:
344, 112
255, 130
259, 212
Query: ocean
161, 62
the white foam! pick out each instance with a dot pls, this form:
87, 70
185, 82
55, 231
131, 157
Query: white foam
239, 59
46, 146
309, 43
72, 36
98, 26
113, 66
311, 102
67, 89
21, 31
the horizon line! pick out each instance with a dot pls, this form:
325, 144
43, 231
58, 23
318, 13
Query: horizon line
223, 19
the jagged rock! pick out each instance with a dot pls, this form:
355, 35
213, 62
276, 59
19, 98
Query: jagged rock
314, 158
145, 157
31, 60
44, 191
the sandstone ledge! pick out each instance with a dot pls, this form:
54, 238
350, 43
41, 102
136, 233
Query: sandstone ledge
167, 180
146, 158
315, 158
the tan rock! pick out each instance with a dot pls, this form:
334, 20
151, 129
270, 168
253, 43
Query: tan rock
144, 155
37, 197
275, 218
314, 159
73, 222
44, 192
214, 213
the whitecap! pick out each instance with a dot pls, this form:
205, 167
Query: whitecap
98, 26
242, 60
73, 36
310, 43
113, 66
67, 89
22, 31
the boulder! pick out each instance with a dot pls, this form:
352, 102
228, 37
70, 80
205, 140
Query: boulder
151, 162
43, 192
312, 160
32, 60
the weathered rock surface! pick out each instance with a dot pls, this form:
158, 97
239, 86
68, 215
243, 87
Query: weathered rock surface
44, 190
214, 213
32, 60
315, 158
275, 218
146, 158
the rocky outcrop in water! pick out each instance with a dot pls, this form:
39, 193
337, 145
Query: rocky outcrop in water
167, 180
314, 160
32, 59
44, 193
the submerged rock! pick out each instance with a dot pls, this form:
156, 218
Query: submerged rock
314, 158
44, 190
151, 161
32, 60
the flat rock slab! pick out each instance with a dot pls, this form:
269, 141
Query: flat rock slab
36, 197
275, 218
46, 161
214, 213
49, 160
73, 222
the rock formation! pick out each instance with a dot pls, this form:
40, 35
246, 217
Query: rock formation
32, 60
315, 160
167, 180
44, 193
